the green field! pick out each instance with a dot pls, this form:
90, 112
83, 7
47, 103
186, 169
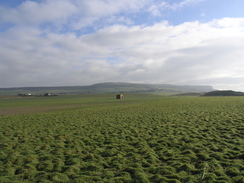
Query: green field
142, 138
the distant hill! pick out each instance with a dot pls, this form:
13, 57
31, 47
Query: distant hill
148, 88
189, 94
107, 88
224, 93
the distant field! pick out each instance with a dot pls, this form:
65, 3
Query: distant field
33, 104
142, 138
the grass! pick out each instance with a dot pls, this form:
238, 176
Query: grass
142, 138
21, 105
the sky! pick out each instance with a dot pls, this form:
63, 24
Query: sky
83, 42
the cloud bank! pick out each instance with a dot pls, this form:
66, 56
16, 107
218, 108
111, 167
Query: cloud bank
43, 47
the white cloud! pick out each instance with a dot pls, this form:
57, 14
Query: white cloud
157, 9
31, 12
188, 53
78, 14
119, 20
73, 14
185, 3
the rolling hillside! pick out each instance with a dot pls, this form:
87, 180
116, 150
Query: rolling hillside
107, 88
224, 93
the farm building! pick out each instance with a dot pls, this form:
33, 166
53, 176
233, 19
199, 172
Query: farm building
119, 96
26, 94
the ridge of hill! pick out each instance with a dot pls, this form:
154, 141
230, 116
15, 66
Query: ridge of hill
224, 93
109, 87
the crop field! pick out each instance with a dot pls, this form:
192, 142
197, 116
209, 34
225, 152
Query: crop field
140, 139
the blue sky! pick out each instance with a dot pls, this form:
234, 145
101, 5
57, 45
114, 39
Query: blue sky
81, 42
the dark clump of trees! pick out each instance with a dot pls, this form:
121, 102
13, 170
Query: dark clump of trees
224, 93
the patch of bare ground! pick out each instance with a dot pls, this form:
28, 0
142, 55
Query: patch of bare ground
27, 110
10, 97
